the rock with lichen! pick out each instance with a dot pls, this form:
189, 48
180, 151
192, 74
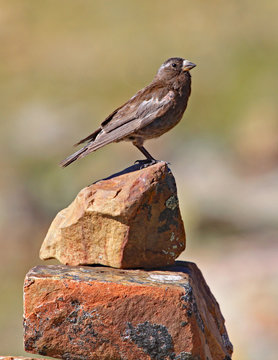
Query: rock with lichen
129, 220
97, 313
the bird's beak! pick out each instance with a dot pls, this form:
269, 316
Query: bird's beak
187, 65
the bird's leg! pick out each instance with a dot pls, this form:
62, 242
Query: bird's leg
145, 152
149, 159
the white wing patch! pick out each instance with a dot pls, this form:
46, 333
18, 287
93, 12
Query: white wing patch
146, 102
147, 107
130, 118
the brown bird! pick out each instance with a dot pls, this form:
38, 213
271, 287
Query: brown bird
150, 113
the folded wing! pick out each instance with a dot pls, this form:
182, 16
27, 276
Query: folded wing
137, 113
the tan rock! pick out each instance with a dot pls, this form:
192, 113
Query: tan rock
97, 313
128, 221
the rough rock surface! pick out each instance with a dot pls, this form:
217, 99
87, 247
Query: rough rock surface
127, 221
78, 313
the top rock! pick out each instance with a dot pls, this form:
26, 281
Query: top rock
130, 220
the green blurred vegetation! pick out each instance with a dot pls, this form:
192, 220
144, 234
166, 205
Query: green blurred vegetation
65, 65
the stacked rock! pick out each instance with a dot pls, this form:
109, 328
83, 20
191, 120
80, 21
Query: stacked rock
142, 304
130, 220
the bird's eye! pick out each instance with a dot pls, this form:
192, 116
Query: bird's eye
174, 65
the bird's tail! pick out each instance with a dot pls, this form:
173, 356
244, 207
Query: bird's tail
87, 149
80, 153
70, 159
91, 137
97, 142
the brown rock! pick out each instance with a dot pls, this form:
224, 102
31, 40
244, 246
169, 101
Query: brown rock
127, 221
98, 313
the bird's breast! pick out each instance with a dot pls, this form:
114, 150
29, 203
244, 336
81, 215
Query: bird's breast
167, 119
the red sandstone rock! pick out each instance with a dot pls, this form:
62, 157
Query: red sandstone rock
98, 313
128, 221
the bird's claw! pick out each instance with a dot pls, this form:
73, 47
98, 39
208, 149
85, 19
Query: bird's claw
148, 162
145, 163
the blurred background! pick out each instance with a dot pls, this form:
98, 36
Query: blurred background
65, 65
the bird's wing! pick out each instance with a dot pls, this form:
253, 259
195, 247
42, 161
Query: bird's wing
92, 136
130, 110
143, 106
133, 117
127, 119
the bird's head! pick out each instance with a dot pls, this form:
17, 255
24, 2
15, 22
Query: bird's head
173, 67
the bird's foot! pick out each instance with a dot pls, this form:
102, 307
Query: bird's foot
148, 162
